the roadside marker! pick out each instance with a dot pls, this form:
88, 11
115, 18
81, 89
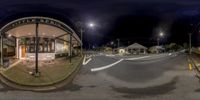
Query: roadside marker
190, 67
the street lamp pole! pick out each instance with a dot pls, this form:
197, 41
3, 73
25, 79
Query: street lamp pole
118, 43
158, 40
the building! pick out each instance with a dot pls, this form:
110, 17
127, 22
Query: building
120, 50
38, 38
136, 49
156, 49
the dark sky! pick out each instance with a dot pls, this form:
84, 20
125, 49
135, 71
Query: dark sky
129, 20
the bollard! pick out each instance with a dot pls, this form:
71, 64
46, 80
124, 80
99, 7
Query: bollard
190, 67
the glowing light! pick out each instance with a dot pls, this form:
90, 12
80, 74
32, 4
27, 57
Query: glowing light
91, 24
161, 34
9, 35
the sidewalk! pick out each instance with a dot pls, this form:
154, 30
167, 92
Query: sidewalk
19, 83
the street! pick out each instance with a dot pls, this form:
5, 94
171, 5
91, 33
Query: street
161, 77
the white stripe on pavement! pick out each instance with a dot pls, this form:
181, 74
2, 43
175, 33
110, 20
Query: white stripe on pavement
110, 65
110, 55
86, 62
137, 58
88, 56
105, 67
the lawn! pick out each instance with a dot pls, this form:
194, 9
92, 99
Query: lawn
51, 73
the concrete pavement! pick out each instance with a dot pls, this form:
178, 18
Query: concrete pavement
163, 78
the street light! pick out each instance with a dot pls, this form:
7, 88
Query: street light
81, 25
112, 42
112, 45
161, 34
91, 24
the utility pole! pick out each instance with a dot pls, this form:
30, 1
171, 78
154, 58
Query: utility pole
118, 40
80, 26
158, 40
190, 43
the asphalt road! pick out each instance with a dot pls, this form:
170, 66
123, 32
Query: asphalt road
157, 77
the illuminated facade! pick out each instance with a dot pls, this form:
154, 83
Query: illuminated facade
38, 38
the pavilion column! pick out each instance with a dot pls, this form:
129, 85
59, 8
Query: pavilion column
139, 50
1, 49
36, 49
48, 46
70, 48
17, 48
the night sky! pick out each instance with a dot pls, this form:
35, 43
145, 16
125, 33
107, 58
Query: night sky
129, 20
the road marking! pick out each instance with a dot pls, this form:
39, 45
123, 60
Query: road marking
110, 55
86, 62
88, 56
110, 65
105, 67
137, 58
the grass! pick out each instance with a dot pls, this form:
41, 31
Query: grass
50, 73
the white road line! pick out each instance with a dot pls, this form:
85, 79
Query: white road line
88, 56
110, 65
110, 55
137, 58
105, 67
86, 62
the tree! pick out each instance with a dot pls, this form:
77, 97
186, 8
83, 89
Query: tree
173, 47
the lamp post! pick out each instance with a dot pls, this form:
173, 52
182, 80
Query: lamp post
118, 40
79, 24
112, 45
161, 34
91, 25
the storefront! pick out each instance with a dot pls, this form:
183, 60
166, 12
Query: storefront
37, 38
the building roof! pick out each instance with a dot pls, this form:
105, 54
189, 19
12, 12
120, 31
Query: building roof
136, 45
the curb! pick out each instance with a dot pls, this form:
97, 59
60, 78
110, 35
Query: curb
195, 67
54, 86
